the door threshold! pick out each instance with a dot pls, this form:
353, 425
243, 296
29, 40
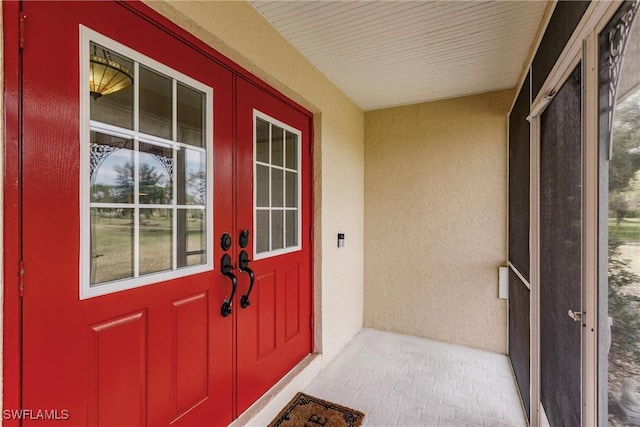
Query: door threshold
269, 405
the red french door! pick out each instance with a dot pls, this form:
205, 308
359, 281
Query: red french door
166, 235
274, 199
158, 351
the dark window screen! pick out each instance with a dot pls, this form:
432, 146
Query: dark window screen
560, 253
519, 336
564, 20
519, 182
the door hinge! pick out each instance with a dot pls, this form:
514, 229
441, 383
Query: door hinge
21, 278
311, 322
21, 25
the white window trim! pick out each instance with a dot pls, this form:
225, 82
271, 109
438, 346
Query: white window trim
272, 253
85, 289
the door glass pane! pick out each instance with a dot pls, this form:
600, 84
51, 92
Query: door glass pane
155, 172
292, 190
277, 187
196, 243
620, 213
111, 244
156, 237
292, 151
262, 141
155, 104
192, 177
277, 146
292, 228
262, 231
191, 113
191, 231
262, 187
115, 107
277, 230
111, 169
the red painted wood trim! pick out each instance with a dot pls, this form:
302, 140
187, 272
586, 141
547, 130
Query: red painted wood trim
311, 213
11, 227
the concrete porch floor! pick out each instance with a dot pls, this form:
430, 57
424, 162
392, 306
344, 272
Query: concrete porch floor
400, 380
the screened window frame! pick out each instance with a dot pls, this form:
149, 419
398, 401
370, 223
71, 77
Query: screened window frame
257, 114
86, 290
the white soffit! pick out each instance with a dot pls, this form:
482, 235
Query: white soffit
387, 53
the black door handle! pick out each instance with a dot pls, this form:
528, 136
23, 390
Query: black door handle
243, 265
225, 269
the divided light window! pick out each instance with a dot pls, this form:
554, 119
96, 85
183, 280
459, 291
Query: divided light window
146, 178
276, 187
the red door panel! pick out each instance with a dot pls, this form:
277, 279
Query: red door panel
292, 320
191, 319
152, 355
265, 313
274, 331
118, 355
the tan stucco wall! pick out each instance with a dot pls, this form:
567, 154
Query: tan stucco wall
239, 32
435, 222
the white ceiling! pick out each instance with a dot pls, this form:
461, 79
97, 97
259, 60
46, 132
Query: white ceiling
387, 53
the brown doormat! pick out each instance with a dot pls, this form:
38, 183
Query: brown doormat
309, 411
